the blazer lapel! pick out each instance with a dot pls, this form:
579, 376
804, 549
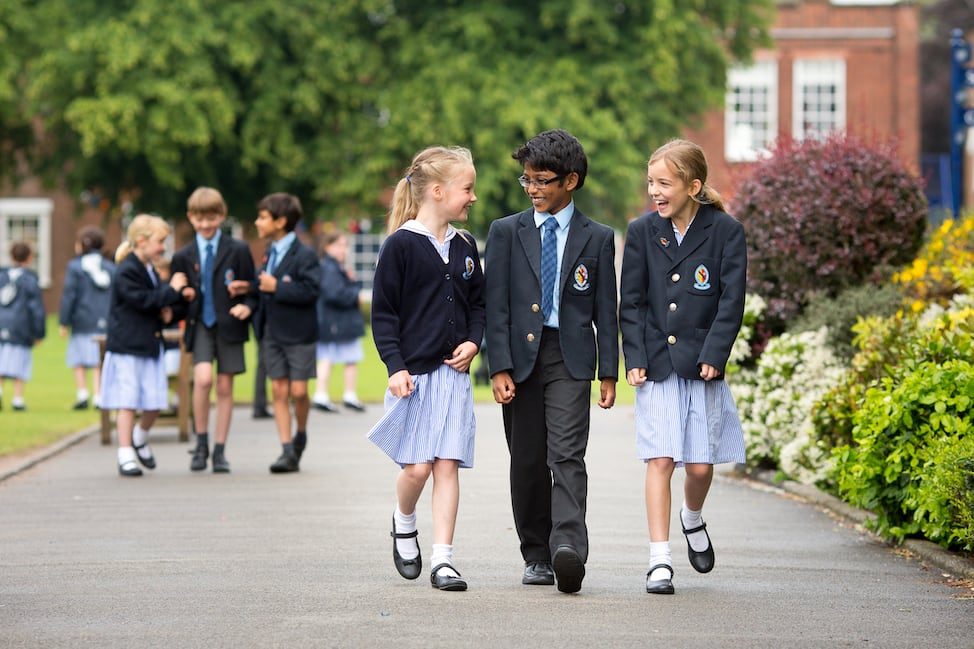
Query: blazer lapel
578, 235
285, 260
530, 241
663, 237
222, 251
698, 233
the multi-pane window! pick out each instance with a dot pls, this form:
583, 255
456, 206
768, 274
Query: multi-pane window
27, 219
751, 114
819, 98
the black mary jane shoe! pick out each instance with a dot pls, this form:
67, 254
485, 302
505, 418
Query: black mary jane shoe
660, 586
701, 561
446, 582
148, 462
408, 568
129, 468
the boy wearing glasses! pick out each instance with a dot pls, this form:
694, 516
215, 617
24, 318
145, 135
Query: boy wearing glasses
552, 327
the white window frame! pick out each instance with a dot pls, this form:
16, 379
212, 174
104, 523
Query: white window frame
740, 142
811, 72
39, 209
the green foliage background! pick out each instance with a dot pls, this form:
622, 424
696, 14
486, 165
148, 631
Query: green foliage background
330, 99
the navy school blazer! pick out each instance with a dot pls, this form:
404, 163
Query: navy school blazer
22, 319
682, 305
231, 261
289, 314
134, 320
588, 327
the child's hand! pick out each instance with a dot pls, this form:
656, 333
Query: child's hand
608, 393
636, 376
178, 281
166, 314
188, 293
708, 372
503, 387
401, 384
63, 331
240, 311
238, 287
267, 282
462, 356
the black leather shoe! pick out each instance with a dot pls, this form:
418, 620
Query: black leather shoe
129, 469
80, 405
145, 456
569, 569
354, 405
287, 463
408, 568
701, 561
262, 413
446, 582
300, 442
325, 407
200, 455
220, 464
538, 573
660, 586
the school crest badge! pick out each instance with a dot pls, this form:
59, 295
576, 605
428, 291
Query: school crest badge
701, 278
581, 278
468, 268
286, 279
664, 242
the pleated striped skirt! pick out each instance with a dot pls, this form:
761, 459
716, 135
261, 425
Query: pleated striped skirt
435, 421
688, 420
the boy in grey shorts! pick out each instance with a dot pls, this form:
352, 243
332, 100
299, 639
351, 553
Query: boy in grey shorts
287, 320
216, 322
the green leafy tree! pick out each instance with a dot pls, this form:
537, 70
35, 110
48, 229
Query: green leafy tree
330, 99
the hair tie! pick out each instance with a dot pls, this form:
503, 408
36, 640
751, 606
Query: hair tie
409, 178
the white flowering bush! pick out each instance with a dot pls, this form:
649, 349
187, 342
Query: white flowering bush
776, 398
754, 308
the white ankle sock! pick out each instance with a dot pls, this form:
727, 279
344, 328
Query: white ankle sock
140, 437
321, 397
659, 553
408, 548
443, 553
691, 519
351, 397
81, 395
17, 402
126, 454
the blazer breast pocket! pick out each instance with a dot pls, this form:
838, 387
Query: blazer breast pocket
703, 276
583, 275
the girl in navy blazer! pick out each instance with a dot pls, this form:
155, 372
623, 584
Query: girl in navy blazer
681, 307
133, 372
84, 310
428, 321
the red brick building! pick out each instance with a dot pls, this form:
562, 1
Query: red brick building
836, 65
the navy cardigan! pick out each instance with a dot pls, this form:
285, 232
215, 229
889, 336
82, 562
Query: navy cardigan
422, 308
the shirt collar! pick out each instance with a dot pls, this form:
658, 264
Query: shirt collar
564, 216
412, 225
201, 242
283, 244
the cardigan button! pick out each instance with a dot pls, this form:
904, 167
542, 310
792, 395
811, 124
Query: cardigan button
449, 298
530, 338
671, 339
447, 277
675, 277
535, 308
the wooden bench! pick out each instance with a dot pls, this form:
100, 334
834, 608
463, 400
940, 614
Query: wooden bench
181, 383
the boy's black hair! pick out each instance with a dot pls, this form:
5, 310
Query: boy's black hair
282, 204
91, 238
20, 251
556, 150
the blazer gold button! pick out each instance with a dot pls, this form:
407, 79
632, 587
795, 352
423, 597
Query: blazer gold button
535, 308
671, 340
675, 277
672, 306
530, 338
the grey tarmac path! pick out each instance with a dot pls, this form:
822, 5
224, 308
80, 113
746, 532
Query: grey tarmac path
250, 559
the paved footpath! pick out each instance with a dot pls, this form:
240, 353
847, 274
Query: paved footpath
250, 559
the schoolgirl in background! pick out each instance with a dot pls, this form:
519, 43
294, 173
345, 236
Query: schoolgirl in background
681, 307
428, 322
22, 321
84, 311
133, 373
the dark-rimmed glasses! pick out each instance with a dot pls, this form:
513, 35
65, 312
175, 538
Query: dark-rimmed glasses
526, 182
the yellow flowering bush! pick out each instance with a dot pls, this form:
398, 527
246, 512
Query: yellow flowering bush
943, 267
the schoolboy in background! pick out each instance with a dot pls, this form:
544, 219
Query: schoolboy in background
216, 323
22, 322
551, 328
287, 320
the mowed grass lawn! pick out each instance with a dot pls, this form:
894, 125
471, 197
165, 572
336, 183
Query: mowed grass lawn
50, 393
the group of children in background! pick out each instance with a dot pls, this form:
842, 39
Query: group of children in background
548, 309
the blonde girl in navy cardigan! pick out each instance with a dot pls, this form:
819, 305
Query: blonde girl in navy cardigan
428, 322
133, 372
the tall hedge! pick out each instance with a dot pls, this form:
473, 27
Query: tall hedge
825, 215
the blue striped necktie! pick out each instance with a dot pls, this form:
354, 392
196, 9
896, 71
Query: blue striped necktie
549, 265
206, 286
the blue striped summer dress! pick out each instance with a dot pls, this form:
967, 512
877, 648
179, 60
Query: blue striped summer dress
690, 420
